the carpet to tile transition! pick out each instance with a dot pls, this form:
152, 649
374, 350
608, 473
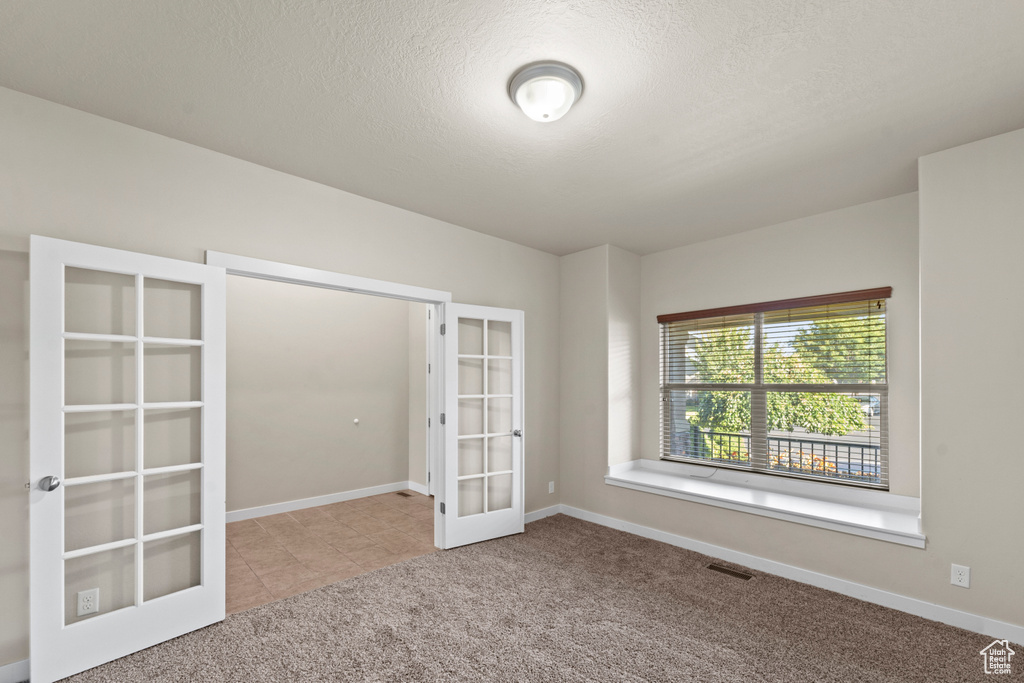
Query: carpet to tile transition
566, 601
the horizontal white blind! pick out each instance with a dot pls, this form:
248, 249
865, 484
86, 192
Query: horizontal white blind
798, 391
834, 344
709, 350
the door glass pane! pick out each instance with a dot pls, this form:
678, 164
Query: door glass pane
172, 437
499, 453
471, 336
98, 513
99, 443
171, 501
499, 492
98, 372
171, 565
471, 416
471, 376
499, 338
471, 456
172, 373
499, 376
112, 572
98, 303
172, 309
471, 497
499, 415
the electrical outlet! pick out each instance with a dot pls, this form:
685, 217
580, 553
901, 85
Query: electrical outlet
88, 602
960, 576
551, 487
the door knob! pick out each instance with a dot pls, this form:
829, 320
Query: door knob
49, 483
517, 432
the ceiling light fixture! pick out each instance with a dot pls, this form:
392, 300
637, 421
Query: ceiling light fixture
545, 90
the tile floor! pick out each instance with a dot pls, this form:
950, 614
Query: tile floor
269, 558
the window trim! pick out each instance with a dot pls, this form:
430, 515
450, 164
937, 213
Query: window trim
759, 390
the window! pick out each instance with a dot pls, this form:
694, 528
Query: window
795, 388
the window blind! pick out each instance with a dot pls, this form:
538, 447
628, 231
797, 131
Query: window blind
797, 387
837, 343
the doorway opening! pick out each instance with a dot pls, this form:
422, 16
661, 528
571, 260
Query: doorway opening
330, 431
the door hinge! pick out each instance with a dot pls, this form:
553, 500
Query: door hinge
428, 423
442, 418
428, 477
442, 508
442, 329
428, 368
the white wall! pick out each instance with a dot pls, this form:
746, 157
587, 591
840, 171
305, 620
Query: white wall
303, 364
584, 380
623, 356
74, 176
13, 453
972, 286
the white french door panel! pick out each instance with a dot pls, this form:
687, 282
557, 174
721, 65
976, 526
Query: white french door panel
127, 442
483, 456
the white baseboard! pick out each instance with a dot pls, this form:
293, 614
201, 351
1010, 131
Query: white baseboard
543, 512
920, 608
292, 505
418, 488
15, 672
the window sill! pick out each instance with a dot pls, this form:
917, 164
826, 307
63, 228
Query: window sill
862, 512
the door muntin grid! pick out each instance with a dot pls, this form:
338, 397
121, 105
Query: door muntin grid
485, 416
128, 558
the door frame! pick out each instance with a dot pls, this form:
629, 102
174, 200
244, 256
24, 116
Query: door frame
275, 271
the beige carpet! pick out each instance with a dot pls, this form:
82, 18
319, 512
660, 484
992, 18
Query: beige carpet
566, 601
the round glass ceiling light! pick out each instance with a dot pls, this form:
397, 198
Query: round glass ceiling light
546, 90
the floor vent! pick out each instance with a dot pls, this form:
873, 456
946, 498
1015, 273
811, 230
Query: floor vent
730, 572
404, 494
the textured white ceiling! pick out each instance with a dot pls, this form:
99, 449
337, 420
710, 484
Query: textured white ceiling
699, 118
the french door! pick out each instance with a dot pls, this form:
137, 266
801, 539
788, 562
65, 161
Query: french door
127, 453
483, 464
